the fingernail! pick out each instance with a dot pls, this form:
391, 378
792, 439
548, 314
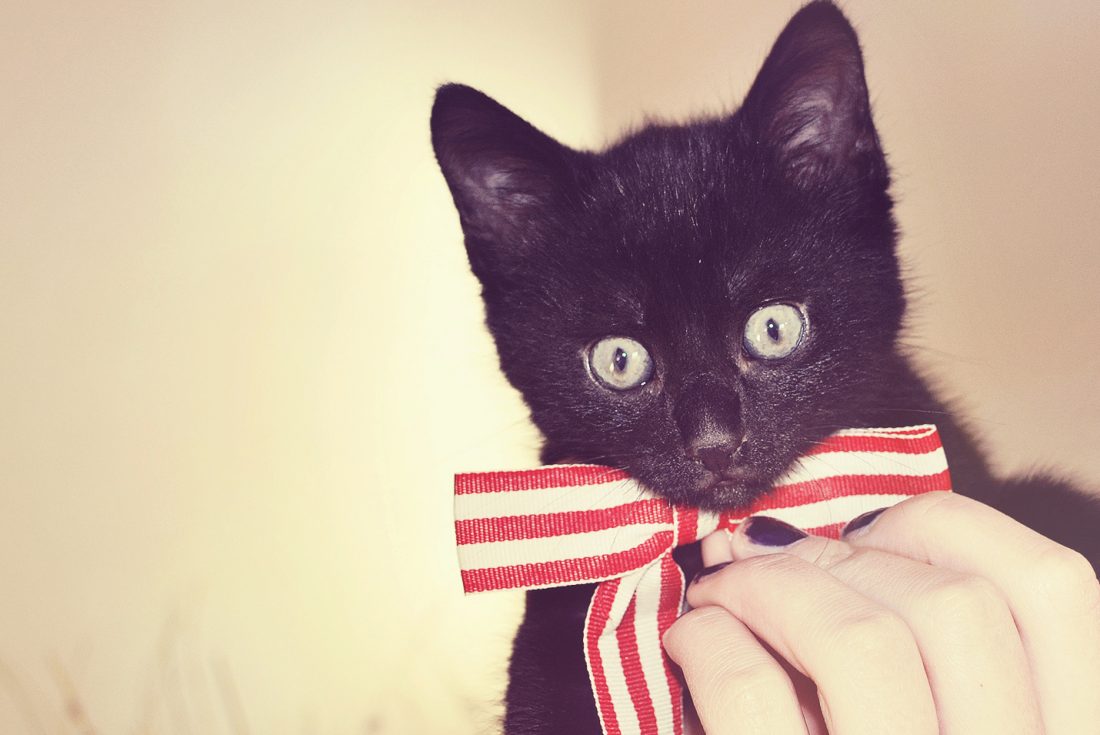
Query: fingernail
861, 521
710, 570
768, 531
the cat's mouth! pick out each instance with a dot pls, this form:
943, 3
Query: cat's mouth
736, 491
735, 487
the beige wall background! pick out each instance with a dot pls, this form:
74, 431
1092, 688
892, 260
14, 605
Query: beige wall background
241, 355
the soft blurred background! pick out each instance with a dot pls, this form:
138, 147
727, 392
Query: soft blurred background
241, 354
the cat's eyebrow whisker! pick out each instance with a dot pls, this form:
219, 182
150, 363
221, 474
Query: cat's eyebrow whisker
821, 458
870, 464
916, 410
970, 419
595, 460
912, 347
575, 490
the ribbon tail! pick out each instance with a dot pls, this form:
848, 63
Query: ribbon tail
632, 680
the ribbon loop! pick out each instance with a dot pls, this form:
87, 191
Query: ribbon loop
556, 526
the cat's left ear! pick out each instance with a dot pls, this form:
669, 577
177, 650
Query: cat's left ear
809, 102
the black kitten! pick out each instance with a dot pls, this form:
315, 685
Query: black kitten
698, 305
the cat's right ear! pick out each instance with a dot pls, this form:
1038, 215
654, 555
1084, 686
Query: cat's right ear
506, 177
809, 102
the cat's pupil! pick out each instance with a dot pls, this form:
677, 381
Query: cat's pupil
620, 360
773, 330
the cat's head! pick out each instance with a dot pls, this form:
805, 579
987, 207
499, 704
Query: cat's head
697, 304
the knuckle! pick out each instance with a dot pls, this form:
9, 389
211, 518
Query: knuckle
749, 691
930, 503
691, 623
686, 624
830, 554
963, 603
1063, 577
768, 563
701, 615
875, 635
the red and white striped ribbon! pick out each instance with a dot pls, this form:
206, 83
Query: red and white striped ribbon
573, 524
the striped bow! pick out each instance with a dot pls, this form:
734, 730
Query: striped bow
573, 524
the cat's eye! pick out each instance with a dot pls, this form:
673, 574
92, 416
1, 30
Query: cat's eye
620, 363
775, 331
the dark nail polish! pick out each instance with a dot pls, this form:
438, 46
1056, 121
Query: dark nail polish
861, 521
768, 531
710, 570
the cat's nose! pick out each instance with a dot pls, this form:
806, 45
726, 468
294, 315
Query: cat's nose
716, 456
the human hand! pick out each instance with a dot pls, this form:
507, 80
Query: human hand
937, 615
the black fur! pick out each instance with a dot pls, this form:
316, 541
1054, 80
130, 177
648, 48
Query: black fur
672, 237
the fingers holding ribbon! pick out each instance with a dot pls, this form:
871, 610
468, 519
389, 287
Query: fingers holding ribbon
973, 658
862, 657
938, 615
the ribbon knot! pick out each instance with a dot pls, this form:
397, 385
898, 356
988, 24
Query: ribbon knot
576, 524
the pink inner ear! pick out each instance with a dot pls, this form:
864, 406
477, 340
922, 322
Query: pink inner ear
498, 180
816, 108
